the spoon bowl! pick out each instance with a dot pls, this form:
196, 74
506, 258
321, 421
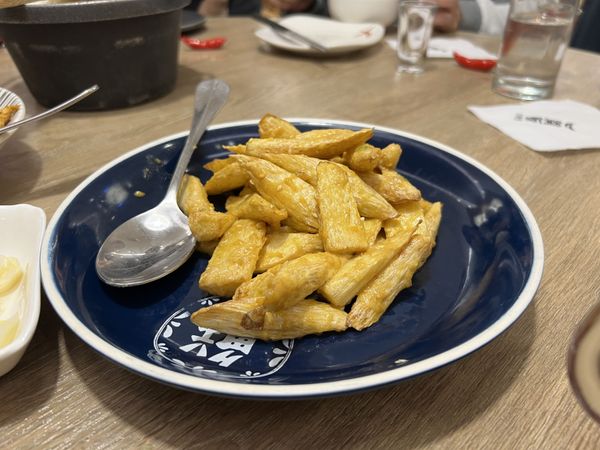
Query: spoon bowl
167, 227
155, 243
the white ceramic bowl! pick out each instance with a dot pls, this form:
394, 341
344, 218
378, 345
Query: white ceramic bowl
384, 12
25, 225
12, 99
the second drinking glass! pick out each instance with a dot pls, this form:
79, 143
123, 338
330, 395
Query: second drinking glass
415, 24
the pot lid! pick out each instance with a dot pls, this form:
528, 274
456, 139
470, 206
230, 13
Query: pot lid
86, 11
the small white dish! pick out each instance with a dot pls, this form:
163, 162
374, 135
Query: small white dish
336, 37
24, 226
384, 12
11, 99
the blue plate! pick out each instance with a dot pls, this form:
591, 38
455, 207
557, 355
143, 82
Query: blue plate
481, 276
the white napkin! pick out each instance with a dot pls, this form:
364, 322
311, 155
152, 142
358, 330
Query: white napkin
444, 47
546, 126
440, 47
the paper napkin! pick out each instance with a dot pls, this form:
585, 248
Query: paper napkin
546, 126
444, 47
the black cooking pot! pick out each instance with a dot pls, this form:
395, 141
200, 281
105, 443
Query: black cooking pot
128, 47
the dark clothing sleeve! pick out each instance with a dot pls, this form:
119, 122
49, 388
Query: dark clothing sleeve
586, 34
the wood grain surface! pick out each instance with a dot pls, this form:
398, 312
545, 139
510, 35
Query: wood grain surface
513, 393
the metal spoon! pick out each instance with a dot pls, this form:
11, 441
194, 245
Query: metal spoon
51, 111
155, 243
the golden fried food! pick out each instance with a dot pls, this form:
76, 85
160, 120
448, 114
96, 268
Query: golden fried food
322, 144
234, 259
305, 317
370, 203
342, 229
315, 222
285, 285
356, 273
207, 225
377, 296
228, 178
284, 190
283, 246
363, 158
6, 113
391, 185
271, 126
390, 155
372, 229
255, 207
192, 195
217, 164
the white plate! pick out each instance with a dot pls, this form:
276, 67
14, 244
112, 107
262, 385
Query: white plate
22, 228
337, 37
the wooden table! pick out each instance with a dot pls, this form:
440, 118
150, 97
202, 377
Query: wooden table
513, 393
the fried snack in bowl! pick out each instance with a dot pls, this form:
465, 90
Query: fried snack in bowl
12, 109
320, 232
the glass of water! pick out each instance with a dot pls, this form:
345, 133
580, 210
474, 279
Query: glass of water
536, 36
415, 24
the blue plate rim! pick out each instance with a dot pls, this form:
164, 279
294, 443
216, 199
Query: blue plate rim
287, 391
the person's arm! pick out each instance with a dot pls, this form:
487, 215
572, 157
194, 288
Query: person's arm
483, 16
301, 6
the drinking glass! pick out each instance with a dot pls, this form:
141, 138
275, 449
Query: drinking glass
536, 35
415, 24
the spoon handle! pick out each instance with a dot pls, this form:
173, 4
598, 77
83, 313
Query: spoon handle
211, 95
54, 110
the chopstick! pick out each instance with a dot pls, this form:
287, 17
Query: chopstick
286, 32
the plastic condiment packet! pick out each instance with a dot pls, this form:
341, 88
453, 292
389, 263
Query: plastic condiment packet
547, 125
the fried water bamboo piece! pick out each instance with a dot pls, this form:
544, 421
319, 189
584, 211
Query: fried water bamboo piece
234, 199
363, 158
257, 287
377, 296
410, 214
322, 144
271, 126
207, 247
209, 225
356, 273
369, 202
281, 247
240, 149
296, 226
372, 229
234, 259
391, 185
192, 195
248, 189
302, 166
289, 283
6, 114
255, 207
342, 229
217, 164
304, 318
230, 177
284, 190
390, 155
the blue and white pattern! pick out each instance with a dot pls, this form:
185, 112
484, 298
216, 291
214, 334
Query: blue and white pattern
180, 345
